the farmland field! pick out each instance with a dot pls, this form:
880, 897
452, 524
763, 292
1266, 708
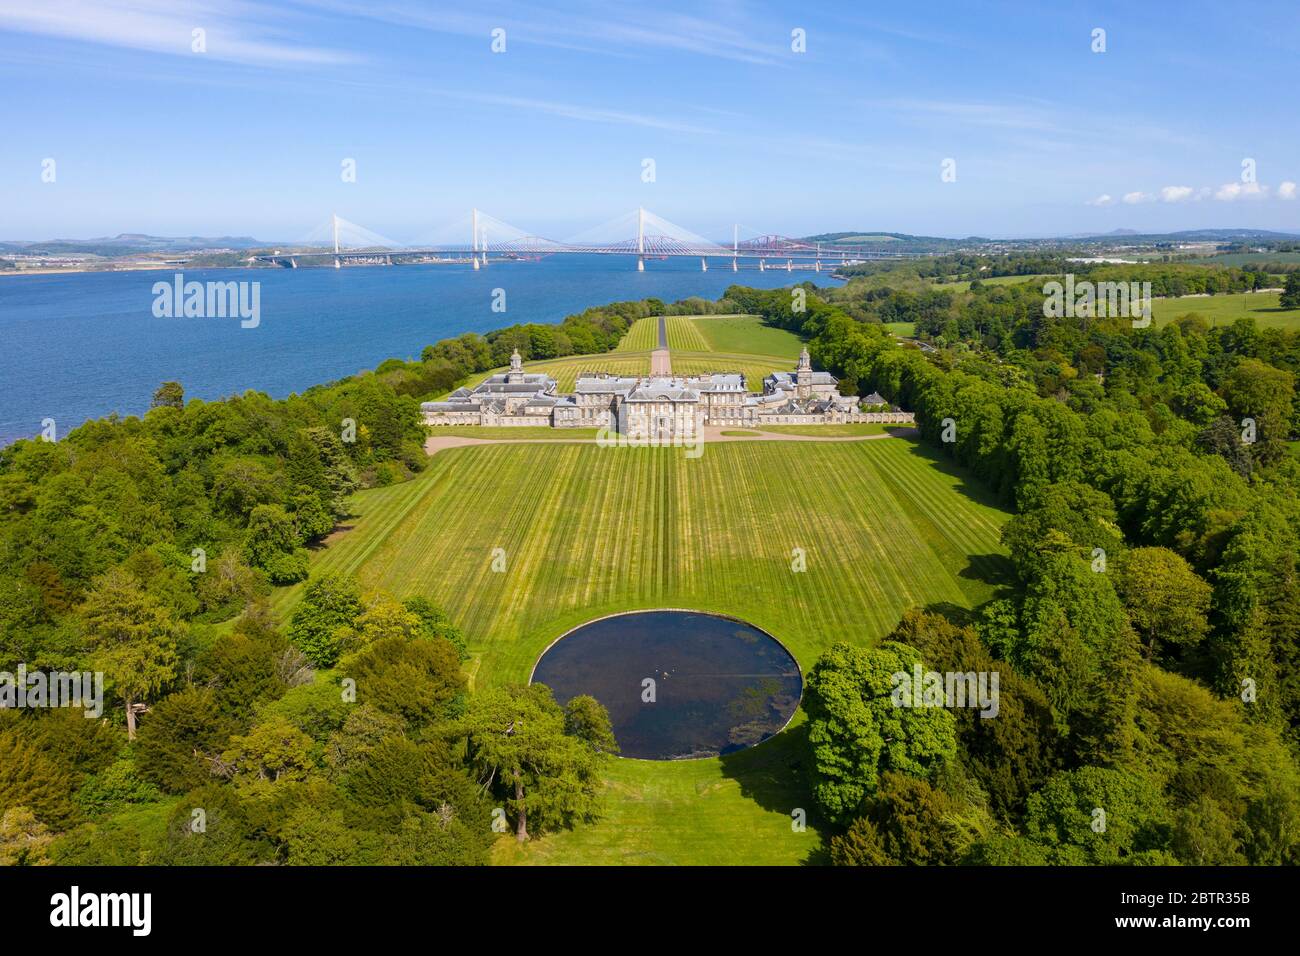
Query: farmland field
587, 531
566, 370
514, 432
744, 334
1225, 309
642, 337
683, 334
833, 431
964, 284
1249, 258
754, 367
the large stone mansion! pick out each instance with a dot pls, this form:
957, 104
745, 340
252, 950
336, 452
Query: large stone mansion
658, 405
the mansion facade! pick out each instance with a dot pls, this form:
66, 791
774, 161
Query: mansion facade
663, 406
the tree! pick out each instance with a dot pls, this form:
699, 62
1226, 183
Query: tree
1098, 815
168, 395
1168, 604
1256, 390
133, 640
1082, 514
1291, 291
1011, 754
587, 719
272, 544
185, 732
35, 782
435, 623
226, 837
227, 585
860, 845
1203, 835
514, 740
857, 732
329, 608
413, 679
271, 752
908, 822
24, 840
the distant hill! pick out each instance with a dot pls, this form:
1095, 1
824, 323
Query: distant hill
895, 241
126, 244
938, 245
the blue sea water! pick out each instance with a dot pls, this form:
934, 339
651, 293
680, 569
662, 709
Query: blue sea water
75, 347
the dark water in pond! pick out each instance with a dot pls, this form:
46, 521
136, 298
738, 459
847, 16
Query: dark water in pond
719, 685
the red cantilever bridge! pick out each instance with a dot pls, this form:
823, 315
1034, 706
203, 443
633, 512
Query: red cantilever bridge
641, 234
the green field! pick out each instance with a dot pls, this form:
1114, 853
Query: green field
588, 531
566, 370
684, 336
642, 337
755, 368
746, 334
513, 432
1249, 258
963, 284
1225, 309
904, 329
834, 431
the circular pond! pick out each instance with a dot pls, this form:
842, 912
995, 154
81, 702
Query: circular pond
677, 684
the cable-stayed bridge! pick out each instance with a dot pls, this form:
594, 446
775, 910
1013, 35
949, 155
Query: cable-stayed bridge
482, 237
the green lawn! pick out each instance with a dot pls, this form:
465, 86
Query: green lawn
754, 367
642, 337
964, 284
506, 433
700, 812
1249, 258
833, 431
905, 329
586, 531
743, 334
566, 370
1225, 309
684, 336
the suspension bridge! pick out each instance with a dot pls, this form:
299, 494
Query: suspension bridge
641, 234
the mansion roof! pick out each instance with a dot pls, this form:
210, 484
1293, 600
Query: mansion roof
799, 392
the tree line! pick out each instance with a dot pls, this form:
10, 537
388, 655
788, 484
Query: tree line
1146, 635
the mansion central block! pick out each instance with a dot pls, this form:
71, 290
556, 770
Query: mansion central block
664, 406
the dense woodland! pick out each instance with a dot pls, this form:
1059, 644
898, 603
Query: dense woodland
145, 548
1146, 632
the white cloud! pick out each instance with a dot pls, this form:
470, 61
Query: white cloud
164, 26
1105, 199
1134, 198
1176, 193
1231, 192
1286, 190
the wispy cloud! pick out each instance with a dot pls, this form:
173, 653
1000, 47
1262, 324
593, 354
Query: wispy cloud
230, 31
601, 28
573, 111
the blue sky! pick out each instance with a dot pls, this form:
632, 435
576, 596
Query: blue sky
249, 136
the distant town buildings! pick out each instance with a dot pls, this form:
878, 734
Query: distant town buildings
659, 405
